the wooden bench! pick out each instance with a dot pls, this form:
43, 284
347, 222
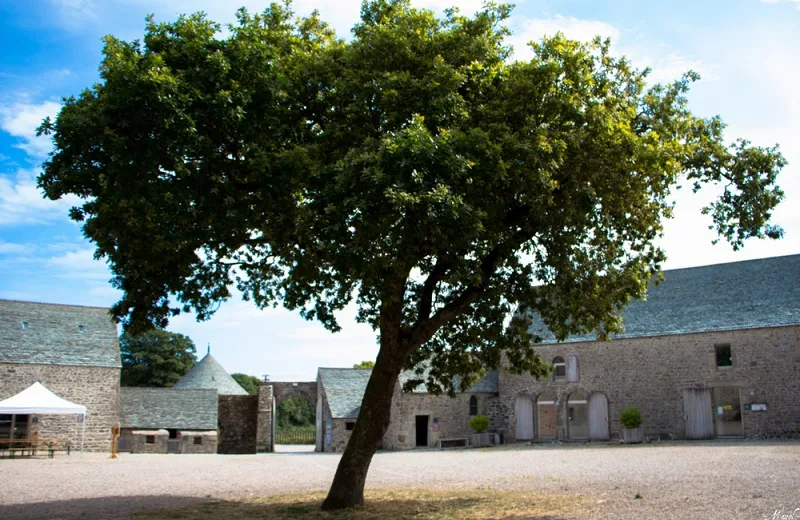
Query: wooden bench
455, 442
29, 447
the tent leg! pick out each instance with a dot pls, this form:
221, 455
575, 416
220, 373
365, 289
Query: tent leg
83, 434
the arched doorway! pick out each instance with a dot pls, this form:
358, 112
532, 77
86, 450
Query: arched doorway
523, 411
578, 416
598, 417
547, 416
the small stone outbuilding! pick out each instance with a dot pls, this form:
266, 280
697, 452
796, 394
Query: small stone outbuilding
419, 419
168, 420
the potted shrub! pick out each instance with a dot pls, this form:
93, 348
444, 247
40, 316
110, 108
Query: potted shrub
631, 419
479, 424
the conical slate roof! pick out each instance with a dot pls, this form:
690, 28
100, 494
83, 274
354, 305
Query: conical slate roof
208, 373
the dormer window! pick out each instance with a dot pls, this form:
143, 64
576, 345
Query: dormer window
81, 328
25, 325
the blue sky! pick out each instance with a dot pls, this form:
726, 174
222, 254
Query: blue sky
746, 51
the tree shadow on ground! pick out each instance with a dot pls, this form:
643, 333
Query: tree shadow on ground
380, 505
106, 508
386, 504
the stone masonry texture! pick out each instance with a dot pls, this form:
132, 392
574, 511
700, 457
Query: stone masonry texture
97, 388
238, 419
652, 373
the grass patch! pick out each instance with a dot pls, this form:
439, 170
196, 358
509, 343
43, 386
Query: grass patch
387, 504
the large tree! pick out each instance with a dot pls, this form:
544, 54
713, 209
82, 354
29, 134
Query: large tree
414, 169
155, 358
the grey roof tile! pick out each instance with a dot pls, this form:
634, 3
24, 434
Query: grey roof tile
345, 387
54, 335
208, 373
738, 295
188, 409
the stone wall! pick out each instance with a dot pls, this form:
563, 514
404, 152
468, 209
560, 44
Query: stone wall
199, 442
97, 388
652, 373
140, 444
284, 390
265, 427
447, 418
238, 421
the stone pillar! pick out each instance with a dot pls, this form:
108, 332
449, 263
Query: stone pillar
264, 429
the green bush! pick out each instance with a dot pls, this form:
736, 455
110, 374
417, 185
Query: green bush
631, 417
479, 423
295, 412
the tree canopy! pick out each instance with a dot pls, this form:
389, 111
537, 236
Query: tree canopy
295, 412
155, 358
365, 365
249, 383
414, 169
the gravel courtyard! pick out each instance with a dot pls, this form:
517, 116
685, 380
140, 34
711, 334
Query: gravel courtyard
699, 480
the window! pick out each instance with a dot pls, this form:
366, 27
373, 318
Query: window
572, 369
473, 406
724, 356
150, 439
198, 440
349, 426
25, 325
81, 328
560, 372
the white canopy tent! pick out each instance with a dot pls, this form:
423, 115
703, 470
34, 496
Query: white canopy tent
38, 400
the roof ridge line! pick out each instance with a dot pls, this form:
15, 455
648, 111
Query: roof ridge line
11, 300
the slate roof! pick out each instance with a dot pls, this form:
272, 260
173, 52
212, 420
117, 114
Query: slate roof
490, 383
208, 373
53, 335
153, 408
738, 295
344, 388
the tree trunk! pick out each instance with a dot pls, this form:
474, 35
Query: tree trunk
347, 489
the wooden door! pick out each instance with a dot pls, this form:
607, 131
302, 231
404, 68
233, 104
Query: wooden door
697, 413
546, 419
523, 410
598, 417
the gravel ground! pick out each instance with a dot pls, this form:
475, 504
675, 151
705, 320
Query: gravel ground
676, 480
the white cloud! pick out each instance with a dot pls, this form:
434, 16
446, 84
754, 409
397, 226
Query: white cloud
782, 2
21, 202
79, 264
11, 248
21, 120
534, 29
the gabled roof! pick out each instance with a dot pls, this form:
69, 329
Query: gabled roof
345, 387
208, 373
738, 295
57, 334
187, 409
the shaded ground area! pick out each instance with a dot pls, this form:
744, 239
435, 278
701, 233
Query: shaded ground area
705, 480
402, 504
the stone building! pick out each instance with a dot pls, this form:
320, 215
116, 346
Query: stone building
714, 351
168, 420
74, 352
419, 419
